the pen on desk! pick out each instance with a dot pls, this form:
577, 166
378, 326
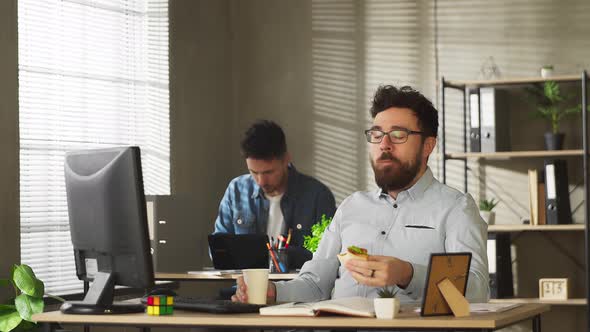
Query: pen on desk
274, 258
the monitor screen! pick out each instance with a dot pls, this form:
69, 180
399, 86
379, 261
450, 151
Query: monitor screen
108, 226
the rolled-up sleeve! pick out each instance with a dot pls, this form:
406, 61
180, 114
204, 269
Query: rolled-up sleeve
466, 231
317, 277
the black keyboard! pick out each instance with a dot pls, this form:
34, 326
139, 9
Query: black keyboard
213, 306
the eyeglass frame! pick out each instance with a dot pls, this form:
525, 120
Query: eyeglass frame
387, 133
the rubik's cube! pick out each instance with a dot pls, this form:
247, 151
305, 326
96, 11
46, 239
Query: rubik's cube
160, 305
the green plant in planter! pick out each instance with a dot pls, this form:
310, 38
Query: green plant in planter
28, 300
387, 292
550, 104
487, 205
311, 242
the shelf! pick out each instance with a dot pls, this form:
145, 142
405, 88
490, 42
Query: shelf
533, 228
514, 154
513, 81
568, 302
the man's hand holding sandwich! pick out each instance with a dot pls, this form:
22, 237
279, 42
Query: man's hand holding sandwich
376, 271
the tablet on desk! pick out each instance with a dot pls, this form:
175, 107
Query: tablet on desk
238, 251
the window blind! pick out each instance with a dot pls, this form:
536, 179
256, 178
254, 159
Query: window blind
91, 74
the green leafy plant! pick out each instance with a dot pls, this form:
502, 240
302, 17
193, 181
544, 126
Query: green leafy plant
311, 242
487, 205
28, 299
550, 104
387, 292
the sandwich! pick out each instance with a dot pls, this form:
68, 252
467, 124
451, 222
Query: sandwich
353, 252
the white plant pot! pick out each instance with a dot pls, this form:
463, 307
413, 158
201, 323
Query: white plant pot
386, 308
488, 216
546, 72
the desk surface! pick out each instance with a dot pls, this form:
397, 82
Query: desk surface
407, 319
210, 275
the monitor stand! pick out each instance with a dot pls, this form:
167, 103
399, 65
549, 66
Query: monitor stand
99, 299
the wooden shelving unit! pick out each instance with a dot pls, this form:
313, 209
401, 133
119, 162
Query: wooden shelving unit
513, 81
568, 302
467, 86
535, 228
514, 154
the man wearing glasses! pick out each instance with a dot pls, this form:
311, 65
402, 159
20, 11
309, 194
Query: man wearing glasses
409, 217
274, 197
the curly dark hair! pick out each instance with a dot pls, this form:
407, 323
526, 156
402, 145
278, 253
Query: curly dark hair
388, 96
264, 140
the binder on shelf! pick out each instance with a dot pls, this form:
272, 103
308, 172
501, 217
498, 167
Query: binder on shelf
542, 205
500, 265
474, 136
557, 198
533, 197
536, 197
495, 120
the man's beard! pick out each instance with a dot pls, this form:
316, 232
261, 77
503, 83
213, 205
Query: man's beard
398, 175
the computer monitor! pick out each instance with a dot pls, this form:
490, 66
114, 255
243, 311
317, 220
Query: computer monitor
108, 226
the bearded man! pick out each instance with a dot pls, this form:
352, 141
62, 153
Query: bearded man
409, 217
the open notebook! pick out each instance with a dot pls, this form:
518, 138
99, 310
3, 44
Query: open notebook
350, 306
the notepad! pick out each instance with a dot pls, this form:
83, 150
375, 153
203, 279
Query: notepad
349, 306
492, 307
488, 307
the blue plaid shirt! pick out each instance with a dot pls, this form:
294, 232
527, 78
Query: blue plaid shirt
244, 209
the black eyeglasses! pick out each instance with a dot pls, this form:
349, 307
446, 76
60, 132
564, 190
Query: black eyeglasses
396, 136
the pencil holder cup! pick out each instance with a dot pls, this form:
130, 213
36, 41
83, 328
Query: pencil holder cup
278, 261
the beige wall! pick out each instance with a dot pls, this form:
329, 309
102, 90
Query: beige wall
201, 118
9, 198
271, 67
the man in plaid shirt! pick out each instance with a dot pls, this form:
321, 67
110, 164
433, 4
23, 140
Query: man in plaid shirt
274, 197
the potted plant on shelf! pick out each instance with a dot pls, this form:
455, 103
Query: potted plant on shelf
311, 242
28, 300
386, 305
550, 106
546, 71
485, 210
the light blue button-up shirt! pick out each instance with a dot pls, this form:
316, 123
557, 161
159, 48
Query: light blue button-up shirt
429, 217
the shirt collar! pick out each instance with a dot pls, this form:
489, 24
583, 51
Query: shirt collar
258, 193
414, 191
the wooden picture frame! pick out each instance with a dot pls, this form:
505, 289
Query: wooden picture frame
452, 266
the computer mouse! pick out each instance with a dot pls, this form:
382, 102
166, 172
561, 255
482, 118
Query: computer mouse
161, 291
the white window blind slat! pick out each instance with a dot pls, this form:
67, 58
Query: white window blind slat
92, 74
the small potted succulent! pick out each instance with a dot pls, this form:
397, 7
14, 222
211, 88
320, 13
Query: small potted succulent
485, 210
386, 305
546, 71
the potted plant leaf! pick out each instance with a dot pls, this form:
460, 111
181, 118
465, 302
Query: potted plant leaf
311, 242
485, 210
551, 105
28, 300
386, 304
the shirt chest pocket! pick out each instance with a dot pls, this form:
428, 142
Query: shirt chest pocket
424, 235
244, 223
